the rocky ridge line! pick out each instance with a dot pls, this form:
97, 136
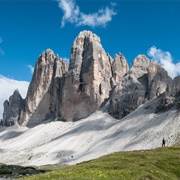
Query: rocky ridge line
59, 92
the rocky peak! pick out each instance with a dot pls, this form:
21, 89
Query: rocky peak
41, 92
85, 39
73, 93
42, 100
16, 93
175, 88
119, 68
87, 83
140, 65
158, 80
144, 81
12, 109
120, 64
141, 61
88, 34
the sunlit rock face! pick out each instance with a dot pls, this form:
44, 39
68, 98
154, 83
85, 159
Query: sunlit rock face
145, 80
44, 93
93, 78
119, 68
87, 83
42, 101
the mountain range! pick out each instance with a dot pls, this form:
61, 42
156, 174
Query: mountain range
93, 106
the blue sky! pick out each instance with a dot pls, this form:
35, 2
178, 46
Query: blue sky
27, 27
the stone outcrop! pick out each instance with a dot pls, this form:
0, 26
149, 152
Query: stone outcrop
44, 89
60, 93
171, 98
70, 95
158, 80
87, 83
175, 88
43, 96
145, 80
175, 91
12, 109
119, 68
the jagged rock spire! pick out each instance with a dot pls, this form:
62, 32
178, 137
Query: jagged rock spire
145, 80
12, 109
87, 83
73, 93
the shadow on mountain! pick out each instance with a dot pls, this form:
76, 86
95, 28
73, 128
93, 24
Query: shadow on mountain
52, 101
138, 129
92, 125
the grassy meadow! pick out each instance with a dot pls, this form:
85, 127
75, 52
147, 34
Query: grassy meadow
161, 163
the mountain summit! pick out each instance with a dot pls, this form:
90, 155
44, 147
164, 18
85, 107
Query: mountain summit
59, 92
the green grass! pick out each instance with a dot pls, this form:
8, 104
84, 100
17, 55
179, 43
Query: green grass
161, 163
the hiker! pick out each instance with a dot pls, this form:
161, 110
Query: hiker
1, 122
163, 142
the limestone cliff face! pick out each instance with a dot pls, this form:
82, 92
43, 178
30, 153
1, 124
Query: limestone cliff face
145, 80
119, 68
159, 81
171, 98
60, 93
175, 88
43, 96
44, 89
12, 109
175, 91
87, 83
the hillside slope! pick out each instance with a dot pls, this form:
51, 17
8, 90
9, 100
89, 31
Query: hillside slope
98, 135
160, 163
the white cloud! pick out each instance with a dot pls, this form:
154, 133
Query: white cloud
166, 60
73, 15
31, 68
7, 87
70, 10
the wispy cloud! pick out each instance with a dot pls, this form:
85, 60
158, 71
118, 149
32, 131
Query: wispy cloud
166, 60
72, 14
31, 68
7, 87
